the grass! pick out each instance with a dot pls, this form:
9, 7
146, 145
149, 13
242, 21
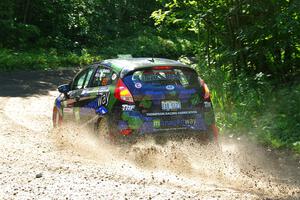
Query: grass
42, 59
256, 106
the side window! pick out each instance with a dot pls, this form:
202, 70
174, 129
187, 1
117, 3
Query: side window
79, 80
102, 77
88, 77
82, 79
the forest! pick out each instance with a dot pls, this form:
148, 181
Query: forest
248, 51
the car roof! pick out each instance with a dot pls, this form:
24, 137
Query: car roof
126, 65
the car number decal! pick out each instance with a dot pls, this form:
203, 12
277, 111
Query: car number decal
103, 99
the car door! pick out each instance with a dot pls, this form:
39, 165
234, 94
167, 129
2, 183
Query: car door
93, 97
75, 98
102, 87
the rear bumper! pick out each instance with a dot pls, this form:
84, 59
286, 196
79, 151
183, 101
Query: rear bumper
134, 125
144, 124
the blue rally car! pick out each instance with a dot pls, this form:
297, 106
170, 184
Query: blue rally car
126, 99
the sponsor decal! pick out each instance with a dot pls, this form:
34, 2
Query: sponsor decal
170, 87
113, 77
156, 123
138, 85
178, 122
103, 89
126, 107
171, 113
101, 110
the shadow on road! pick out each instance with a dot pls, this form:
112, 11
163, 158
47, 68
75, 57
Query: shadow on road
28, 83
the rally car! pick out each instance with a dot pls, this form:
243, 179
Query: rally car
136, 97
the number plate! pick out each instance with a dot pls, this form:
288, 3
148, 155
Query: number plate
170, 105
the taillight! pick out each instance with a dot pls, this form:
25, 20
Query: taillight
122, 93
205, 89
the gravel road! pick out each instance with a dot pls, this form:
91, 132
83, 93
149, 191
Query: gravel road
37, 162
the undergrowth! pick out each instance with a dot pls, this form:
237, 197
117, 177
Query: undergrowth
42, 59
267, 112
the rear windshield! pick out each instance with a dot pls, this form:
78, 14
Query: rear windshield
160, 77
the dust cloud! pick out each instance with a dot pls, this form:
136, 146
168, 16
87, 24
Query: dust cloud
75, 163
235, 163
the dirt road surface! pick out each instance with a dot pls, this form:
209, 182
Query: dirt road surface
37, 162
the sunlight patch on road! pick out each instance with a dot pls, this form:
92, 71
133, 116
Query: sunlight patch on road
33, 112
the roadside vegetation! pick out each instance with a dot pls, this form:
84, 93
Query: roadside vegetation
247, 51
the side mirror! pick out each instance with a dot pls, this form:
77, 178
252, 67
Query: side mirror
65, 88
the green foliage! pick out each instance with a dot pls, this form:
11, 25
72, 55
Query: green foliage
249, 55
252, 36
148, 43
12, 60
70, 24
282, 121
18, 35
257, 106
